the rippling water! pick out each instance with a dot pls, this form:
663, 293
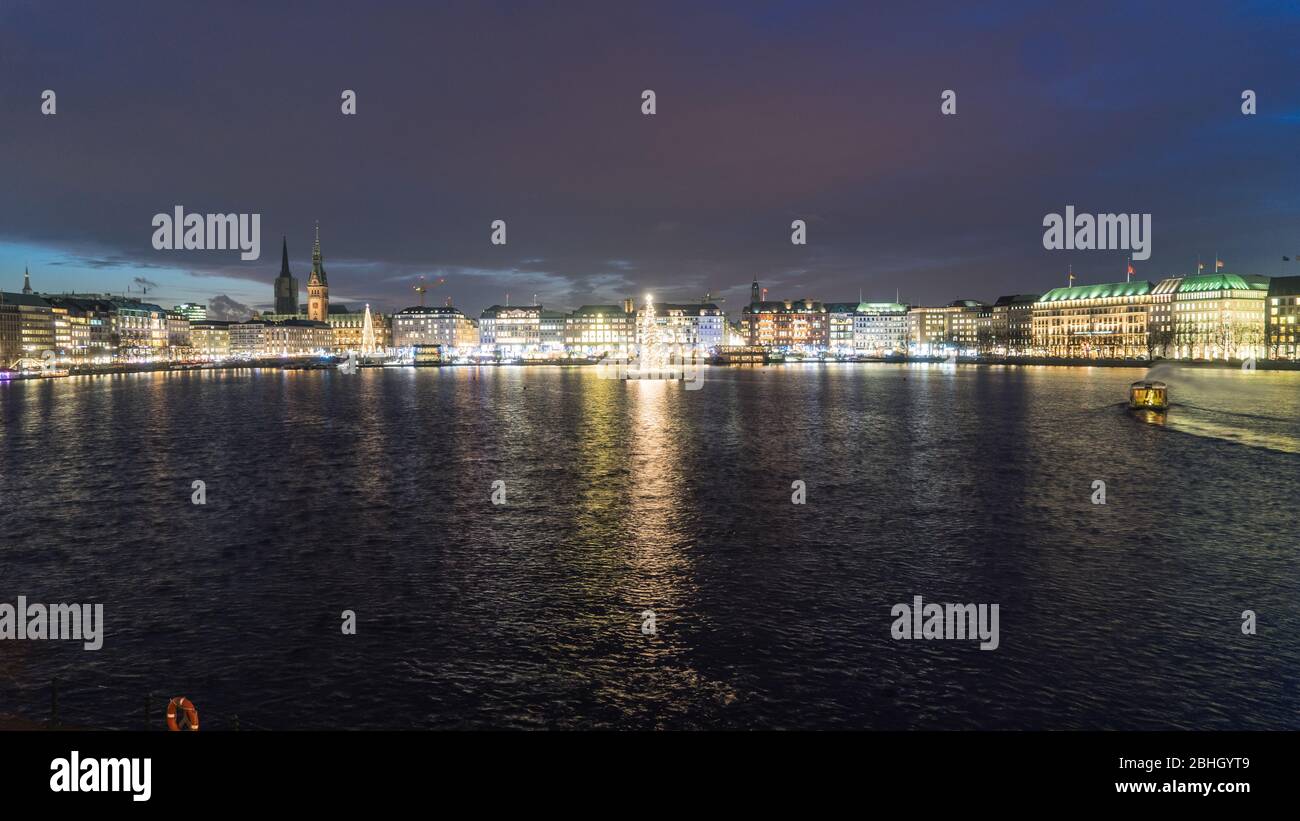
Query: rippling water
371, 492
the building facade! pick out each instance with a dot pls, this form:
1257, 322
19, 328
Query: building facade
792, 325
192, 311
969, 326
1219, 316
551, 332
1107, 321
290, 337
1012, 325
210, 339
595, 330
178, 335
90, 335
839, 326
349, 331
1282, 322
511, 332
26, 328
445, 326
693, 327
880, 329
140, 329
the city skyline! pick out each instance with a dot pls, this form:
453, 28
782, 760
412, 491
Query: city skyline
817, 116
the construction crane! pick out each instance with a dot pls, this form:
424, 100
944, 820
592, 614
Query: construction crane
422, 289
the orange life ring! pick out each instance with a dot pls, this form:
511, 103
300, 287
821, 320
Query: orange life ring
184, 705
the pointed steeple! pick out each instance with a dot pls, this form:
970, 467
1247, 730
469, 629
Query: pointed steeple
286, 287
317, 262
27, 280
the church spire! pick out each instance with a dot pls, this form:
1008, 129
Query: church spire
317, 261
27, 281
284, 257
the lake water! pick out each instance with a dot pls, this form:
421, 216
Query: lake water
372, 492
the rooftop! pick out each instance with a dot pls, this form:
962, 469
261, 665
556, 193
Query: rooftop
599, 310
1017, 299
1284, 286
30, 300
1108, 290
1223, 282
430, 309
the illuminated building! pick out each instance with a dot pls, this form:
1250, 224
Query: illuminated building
551, 331
286, 285
140, 327
349, 330
695, 327
1107, 321
318, 288
927, 330
247, 338
1160, 318
1012, 325
839, 326
178, 336
793, 324
1209, 316
26, 327
1282, 327
192, 311
880, 329
593, 330
955, 327
298, 337
1218, 316
87, 324
966, 317
289, 337
445, 326
511, 331
210, 339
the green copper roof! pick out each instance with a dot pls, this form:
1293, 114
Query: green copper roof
1103, 291
1224, 282
881, 308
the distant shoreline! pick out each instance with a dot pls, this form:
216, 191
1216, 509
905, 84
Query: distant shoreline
331, 364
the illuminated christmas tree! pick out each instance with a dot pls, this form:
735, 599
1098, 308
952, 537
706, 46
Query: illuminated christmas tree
650, 354
368, 345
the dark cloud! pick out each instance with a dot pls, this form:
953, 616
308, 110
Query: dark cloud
226, 309
100, 262
767, 112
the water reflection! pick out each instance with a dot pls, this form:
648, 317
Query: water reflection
372, 492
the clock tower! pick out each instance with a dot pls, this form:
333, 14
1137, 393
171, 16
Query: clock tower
318, 287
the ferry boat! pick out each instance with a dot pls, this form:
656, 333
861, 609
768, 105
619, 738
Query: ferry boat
1148, 395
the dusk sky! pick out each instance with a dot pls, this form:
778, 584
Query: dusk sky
531, 113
